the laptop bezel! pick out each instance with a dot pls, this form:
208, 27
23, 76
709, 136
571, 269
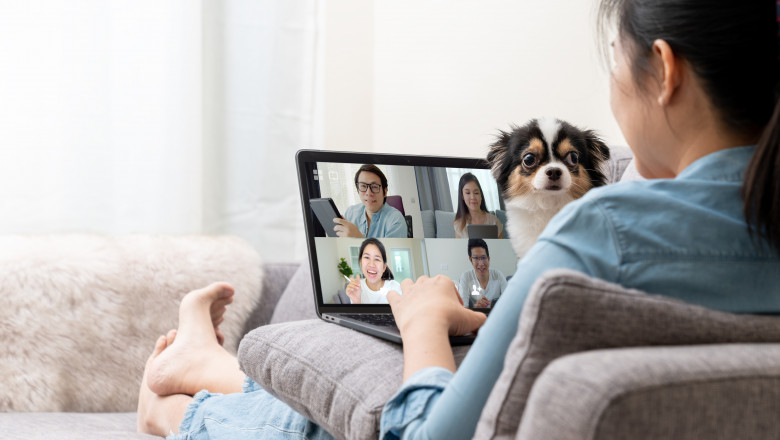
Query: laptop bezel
308, 156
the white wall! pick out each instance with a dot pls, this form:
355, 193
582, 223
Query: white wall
434, 77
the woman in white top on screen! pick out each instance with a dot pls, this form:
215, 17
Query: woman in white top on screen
480, 287
378, 277
472, 209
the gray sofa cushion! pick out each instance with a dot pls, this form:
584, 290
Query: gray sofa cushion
337, 377
567, 312
428, 223
444, 228
297, 301
718, 391
276, 277
71, 426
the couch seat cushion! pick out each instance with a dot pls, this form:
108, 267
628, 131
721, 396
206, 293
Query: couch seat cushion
71, 426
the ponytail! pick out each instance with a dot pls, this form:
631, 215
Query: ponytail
761, 187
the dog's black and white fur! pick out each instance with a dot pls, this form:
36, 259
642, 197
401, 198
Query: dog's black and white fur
540, 167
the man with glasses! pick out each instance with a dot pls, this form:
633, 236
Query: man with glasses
480, 287
373, 218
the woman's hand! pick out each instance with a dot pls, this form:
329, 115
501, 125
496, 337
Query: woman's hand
433, 302
353, 290
428, 311
345, 228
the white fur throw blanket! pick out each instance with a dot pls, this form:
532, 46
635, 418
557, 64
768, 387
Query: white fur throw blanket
79, 314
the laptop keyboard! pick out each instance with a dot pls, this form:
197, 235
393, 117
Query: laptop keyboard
378, 319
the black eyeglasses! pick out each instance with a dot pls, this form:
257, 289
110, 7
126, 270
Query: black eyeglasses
375, 187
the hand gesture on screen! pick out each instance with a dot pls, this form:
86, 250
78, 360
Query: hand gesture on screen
345, 228
482, 303
353, 290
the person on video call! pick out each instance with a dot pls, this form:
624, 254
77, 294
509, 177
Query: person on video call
480, 287
374, 217
472, 209
378, 277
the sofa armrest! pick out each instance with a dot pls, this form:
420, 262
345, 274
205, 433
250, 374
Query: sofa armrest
567, 312
276, 277
685, 392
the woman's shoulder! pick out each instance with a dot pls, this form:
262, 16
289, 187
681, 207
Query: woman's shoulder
493, 219
642, 197
392, 285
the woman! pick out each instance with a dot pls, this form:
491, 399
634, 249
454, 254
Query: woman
472, 209
692, 89
378, 277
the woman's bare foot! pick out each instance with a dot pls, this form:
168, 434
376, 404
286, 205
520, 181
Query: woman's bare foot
159, 415
191, 358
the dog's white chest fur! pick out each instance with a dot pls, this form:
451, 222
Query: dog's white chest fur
528, 216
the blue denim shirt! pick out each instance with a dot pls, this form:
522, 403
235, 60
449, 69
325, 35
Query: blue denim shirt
684, 237
387, 222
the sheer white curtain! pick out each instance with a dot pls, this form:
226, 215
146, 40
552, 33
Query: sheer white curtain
143, 116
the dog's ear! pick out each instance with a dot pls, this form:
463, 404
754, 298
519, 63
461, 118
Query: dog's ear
498, 156
599, 151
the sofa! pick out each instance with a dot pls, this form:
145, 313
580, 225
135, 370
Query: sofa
590, 360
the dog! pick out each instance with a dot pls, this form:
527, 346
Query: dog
540, 167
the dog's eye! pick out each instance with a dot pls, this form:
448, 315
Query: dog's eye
572, 159
529, 160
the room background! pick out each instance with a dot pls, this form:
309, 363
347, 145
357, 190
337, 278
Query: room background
183, 117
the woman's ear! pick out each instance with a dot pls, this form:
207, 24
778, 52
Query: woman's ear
671, 71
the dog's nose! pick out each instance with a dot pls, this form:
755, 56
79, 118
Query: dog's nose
553, 173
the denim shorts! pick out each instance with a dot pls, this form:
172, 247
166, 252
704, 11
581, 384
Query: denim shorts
252, 414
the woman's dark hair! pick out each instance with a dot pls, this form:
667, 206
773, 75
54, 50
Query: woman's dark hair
369, 168
732, 47
388, 274
478, 243
461, 215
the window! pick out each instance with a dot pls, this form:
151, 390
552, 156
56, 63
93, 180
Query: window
400, 262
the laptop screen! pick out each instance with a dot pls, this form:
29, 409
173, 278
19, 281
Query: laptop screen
373, 220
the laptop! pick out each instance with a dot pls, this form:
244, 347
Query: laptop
426, 189
482, 231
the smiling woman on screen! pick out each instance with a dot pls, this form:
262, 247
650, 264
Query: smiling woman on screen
378, 278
